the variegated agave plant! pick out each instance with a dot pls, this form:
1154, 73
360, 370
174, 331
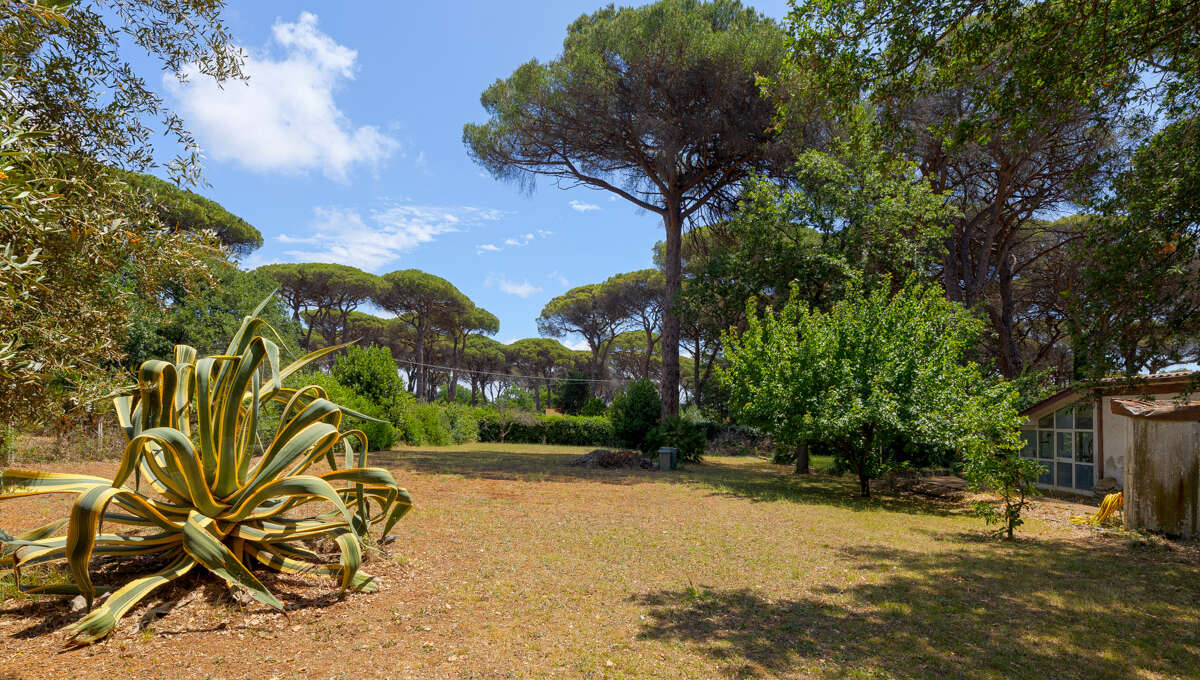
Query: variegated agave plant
221, 499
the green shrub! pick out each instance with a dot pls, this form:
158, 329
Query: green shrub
381, 436
594, 407
462, 423
573, 394
686, 437
495, 426
371, 372
634, 413
425, 424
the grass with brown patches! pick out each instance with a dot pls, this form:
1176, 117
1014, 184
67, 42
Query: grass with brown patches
517, 565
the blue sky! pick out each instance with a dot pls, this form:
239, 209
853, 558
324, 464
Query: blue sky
345, 146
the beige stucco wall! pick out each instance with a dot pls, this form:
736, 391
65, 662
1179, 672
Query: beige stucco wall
1162, 469
1118, 431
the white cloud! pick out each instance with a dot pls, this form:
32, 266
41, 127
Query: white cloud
285, 117
512, 241
345, 236
579, 206
577, 345
557, 276
422, 164
522, 290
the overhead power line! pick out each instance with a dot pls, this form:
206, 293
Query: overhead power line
500, 374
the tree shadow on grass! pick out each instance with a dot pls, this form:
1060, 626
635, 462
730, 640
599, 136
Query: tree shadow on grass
756, 481
1029, 609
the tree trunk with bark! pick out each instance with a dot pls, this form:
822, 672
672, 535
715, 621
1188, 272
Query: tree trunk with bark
802, 460
673, 220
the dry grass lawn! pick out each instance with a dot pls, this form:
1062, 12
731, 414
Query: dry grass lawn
513, 565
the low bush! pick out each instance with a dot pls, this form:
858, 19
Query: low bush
686, 437
573, 394
730, 439
371, 372
495, 426
462, 423
423, 424
594, 407
381, 436
634, 414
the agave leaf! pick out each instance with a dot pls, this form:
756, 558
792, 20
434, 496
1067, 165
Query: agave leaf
351, 557
53, 550
291, 487
11, 543
214, 507
16, 483
81, 536
100, 622
279, 558
316, 437
228, 450
181, 459
202, 541
309, 358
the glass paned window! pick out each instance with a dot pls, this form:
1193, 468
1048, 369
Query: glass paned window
1083, 417
1045, 444
1064, 444
1084, 452
1064, 418
1046, 422
1047, 476
1029, 449
1084, 477
1064, 474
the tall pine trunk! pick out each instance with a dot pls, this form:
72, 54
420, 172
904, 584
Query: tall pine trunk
673, 220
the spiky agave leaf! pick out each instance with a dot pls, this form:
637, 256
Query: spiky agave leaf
191, 428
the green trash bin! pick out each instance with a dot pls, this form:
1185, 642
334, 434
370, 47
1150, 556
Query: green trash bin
666, 458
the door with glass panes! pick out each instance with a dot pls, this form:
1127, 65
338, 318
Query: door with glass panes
1064, 443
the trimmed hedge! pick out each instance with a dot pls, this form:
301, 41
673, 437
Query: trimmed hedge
559, 430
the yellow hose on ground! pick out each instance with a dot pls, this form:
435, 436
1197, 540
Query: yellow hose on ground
1109, 507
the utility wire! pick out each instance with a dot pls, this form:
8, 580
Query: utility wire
509, 375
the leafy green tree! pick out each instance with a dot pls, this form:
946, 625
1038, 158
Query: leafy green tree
68, 67
1137, 305
71, 106
658, 104
421, 301
596, 311
371, 372
183, 210
539, 360
875, 369
323, 295
627, 357
485, 362
463, 324
635, 412
1000, 115
206, 315
643, 293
